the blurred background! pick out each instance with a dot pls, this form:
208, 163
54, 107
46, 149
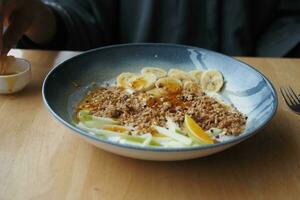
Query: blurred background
234, 27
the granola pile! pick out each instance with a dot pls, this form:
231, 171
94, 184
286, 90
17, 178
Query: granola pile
142, 110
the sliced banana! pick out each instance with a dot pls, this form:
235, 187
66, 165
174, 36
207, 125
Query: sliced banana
192, 86
196, 74
159, 73
180, 75
142, 82
156, 92
169, 84
212, 80
122, 79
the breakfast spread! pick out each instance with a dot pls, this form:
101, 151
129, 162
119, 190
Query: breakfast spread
157, 108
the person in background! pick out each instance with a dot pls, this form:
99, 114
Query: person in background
244, 27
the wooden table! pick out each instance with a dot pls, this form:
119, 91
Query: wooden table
41, 159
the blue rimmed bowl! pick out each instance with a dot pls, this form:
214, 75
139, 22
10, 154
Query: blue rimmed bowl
66, 84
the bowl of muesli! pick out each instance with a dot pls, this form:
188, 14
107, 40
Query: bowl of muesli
159, 101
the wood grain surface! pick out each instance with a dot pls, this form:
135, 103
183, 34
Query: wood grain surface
41, 159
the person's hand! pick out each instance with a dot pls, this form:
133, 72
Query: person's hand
30, 17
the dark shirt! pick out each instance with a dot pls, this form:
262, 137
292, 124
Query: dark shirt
234, 27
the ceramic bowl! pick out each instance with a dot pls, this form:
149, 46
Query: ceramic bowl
249, 90
18, 80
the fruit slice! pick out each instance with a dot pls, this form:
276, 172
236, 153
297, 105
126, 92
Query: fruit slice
159, 73
116, 128
98, 123
156, 92
168, 84
212, 80
142, 82
192, 86
196, 132
180, 75
172, 126
196, 74
176, 136
94, 121
122, 79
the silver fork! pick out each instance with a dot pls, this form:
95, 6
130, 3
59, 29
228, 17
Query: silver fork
291, 99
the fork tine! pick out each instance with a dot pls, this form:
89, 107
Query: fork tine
289, 96
284, 97
294, 95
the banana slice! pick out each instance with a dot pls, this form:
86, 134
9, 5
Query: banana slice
159, 73
196, 74
122, 79
156, 92
169, 84
142, 82
180, 75
192, 87
212, 80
